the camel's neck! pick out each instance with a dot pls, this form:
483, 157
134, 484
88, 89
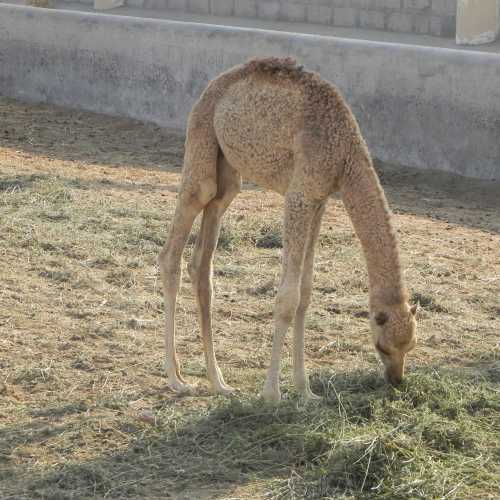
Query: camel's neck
367, 207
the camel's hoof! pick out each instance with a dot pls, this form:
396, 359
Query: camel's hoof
178, 378
180, 387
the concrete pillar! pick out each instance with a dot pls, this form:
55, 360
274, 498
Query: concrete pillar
478, 21
107, 4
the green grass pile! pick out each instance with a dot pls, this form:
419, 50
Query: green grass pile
434, 437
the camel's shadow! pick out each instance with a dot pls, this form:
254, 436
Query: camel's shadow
242, 440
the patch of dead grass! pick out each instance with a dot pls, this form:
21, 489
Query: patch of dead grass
81, 345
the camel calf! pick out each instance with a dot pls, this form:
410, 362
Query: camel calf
287, 130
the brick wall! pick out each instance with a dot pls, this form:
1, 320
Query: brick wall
433, 17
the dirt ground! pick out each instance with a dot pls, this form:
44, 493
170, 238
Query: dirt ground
85, 202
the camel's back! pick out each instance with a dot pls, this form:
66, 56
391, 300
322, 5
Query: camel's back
259, 111
256, 123
268, 111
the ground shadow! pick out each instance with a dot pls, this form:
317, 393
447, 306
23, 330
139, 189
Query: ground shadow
26, 181
442, 196
242, 440
238, 441
89, 138
73, 135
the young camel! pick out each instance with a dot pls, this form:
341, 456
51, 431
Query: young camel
288, 130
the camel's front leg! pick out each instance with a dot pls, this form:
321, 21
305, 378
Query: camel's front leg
300, 378
299, 213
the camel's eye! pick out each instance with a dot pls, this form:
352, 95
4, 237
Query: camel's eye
381, 349
381, 318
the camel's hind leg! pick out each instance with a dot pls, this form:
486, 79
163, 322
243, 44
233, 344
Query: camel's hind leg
198, 187
299, 215
300, 379
200, 267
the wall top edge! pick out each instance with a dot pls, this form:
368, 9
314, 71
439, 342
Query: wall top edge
210, 29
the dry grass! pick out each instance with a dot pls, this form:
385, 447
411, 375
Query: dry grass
85, 201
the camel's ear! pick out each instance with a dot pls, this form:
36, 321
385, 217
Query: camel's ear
381, 318
414, 309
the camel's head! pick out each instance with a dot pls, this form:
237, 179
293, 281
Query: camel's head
394, 335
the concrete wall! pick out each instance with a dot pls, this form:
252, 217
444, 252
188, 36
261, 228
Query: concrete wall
417, 106
433, 17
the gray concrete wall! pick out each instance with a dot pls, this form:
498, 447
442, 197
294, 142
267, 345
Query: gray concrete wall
432, 17
417, 106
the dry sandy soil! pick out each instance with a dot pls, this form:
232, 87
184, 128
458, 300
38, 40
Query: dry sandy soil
85, 202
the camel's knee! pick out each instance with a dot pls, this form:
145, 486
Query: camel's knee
197, 194
287, 303
207, 191
305, 299
170, 269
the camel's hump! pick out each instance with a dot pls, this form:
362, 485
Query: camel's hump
273, 64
